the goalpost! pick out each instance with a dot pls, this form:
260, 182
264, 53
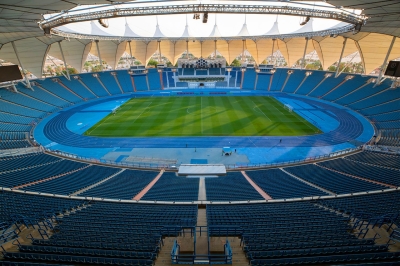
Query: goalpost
288, 107
114, 111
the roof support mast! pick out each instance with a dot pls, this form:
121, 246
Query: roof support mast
383, 67
303, 63
341, 56
159, 52
28, 84
272, 54
98, 53
65, 62
130, 51
187, 49
243, 51
215, 49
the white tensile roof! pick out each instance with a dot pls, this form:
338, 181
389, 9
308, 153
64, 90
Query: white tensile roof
19, 23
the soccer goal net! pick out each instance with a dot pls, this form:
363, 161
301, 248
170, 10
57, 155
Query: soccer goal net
288, 107
114, 111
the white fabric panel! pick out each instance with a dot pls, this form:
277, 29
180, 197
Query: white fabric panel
274, 30
85, 54
32, 53
329, 49
108, 50
296, 49
6, 37
282, 47
129, 32
374, 49
251, 47
168, 50
121, 47
264, 47
195, 48
318, 49
138, 50
215, 32
361, 55
235, 49
180, 48
207, 48
73, 52
152, 47
223, 49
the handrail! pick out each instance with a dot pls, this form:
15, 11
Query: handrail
158, 166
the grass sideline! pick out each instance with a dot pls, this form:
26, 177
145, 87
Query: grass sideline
202, 116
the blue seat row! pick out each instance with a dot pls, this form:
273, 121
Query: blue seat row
123, 186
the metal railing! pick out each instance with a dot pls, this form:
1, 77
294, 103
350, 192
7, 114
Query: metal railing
159, 164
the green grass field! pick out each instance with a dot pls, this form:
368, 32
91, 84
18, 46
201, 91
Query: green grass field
202, 116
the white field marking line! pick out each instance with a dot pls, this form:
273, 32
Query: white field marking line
278, 110
105, 121
255, 105
142, 112
291, 113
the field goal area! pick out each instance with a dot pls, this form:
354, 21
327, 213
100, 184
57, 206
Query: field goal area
288, 107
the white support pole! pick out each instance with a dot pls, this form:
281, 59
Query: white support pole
215, 49
65, 62
159, 52
28, 84
341, 56
98, 53
272, 52
303, 62
243, 52
383, 67
187, 49
130, 51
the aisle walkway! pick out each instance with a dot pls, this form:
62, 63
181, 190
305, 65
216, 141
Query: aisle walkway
148, 187
256, 187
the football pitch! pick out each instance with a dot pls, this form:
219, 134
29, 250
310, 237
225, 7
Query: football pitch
202, 116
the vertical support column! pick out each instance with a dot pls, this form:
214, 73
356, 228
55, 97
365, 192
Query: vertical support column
133, 83
383, 67
98, 53
241, 81
303, 62
65, 62
256, 81
159, 51
273, 48
28, 84
270, 80
201, 49
215, 49
236, 78
341, 56
243, 52
160, 72
147, 79
187, 49
130, 51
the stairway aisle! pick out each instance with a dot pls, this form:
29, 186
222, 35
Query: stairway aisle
201, 239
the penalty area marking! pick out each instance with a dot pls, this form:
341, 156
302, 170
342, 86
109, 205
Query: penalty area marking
259, 110
145, 109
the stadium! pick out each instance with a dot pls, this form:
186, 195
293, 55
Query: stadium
199, 132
